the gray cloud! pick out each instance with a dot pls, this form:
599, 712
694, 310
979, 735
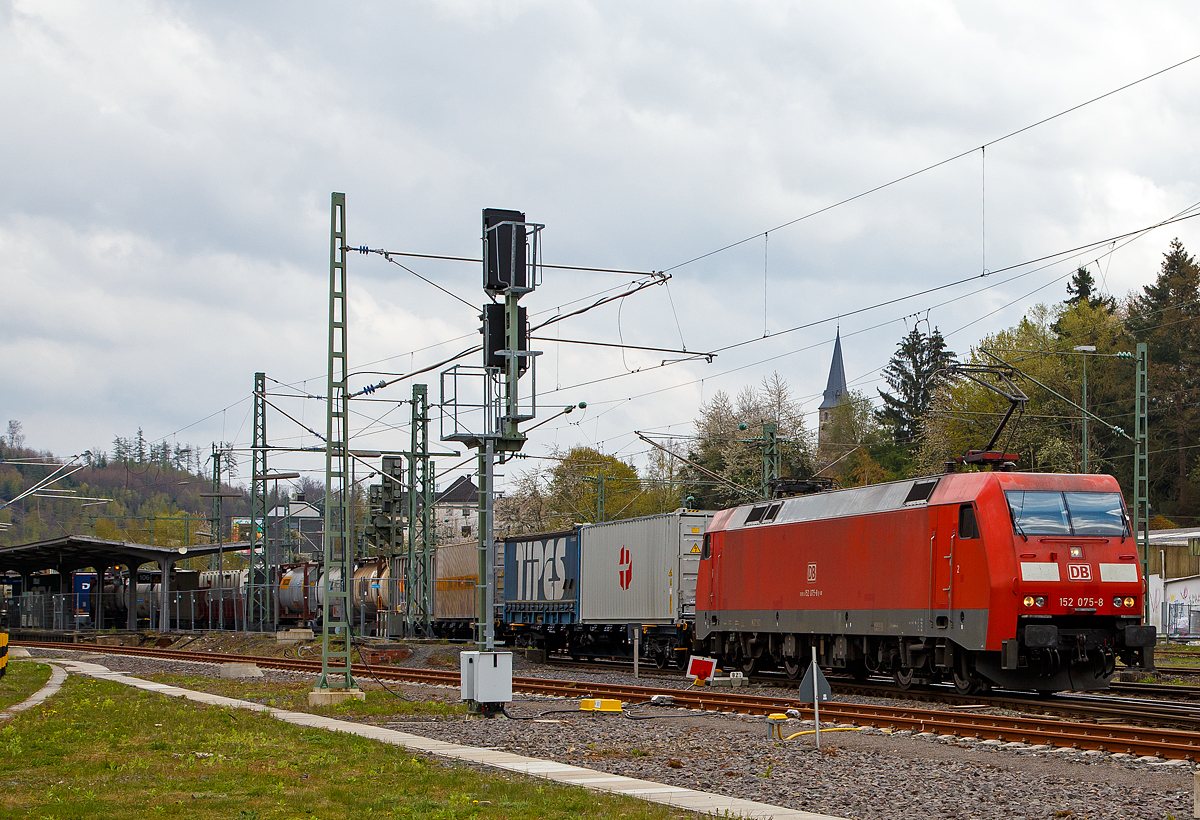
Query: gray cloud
167, 167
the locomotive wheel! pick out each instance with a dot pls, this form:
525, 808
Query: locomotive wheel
660, 658
791, 668
748, 665
964, 685
905, 678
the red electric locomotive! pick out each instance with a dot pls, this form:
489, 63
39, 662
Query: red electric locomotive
1021, 580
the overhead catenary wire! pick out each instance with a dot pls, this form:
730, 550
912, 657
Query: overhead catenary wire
826, 320
388, 256
635, 288
765, 233
927, 168
584, 268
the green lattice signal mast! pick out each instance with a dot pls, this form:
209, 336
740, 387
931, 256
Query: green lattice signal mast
338, 550
258, 581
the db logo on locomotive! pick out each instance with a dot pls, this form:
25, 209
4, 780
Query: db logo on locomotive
1079, 572
812, 573
625, 568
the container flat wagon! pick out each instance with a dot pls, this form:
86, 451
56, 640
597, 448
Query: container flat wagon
583, 591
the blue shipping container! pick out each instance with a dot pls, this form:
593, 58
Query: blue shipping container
541, 578
83, 592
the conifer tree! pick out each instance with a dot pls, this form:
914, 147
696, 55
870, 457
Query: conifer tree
1166, 317
913, 374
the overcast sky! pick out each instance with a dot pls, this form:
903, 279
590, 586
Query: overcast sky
167, 169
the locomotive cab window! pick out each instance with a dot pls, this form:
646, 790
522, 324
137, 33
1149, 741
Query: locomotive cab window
706, 550
968, 527
1076, 513
771, 512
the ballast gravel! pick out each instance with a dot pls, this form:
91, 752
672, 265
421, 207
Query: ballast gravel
856, 774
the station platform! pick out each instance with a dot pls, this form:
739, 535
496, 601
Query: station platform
676, 796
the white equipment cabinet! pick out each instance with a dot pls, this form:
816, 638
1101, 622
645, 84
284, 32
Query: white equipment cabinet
486, 677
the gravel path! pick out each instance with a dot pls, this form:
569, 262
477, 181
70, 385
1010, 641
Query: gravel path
857, 774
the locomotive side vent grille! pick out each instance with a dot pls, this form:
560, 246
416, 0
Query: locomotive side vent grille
920, 492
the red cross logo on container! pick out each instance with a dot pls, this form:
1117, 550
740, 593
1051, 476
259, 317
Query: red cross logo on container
625, 568
1079, 572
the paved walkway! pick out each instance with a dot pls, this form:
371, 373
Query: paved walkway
688, 799
57, 676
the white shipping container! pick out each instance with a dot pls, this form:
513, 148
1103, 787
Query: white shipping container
641, 570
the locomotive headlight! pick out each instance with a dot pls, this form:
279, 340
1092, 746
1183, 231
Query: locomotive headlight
1028, 600
1116, 602
1040, 601
1130, 602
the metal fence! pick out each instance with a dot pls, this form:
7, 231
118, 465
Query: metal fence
197, 610
1181, 619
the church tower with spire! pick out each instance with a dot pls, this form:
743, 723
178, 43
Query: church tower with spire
835, 389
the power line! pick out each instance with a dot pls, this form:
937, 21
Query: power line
929, 167
480, 262
815, 323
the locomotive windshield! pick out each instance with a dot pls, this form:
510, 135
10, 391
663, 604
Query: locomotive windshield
1055, 513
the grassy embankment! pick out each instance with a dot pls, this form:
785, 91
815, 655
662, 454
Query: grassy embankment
101, 749
23, 679
294, 696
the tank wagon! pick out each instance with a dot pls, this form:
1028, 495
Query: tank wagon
1022, 580
456, 575
581, 590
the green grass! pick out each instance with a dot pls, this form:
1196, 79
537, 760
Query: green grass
22, 680
294, 696
101, 749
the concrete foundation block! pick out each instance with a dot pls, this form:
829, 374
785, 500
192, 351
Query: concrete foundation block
291, 636
332, 697
18, 652
240, 670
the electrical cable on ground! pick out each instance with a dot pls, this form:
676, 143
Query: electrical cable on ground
358, 649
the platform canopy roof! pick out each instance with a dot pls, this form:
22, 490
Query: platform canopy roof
71, 552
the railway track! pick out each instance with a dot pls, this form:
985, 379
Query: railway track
1136, 740
1178, 671
1095, 707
